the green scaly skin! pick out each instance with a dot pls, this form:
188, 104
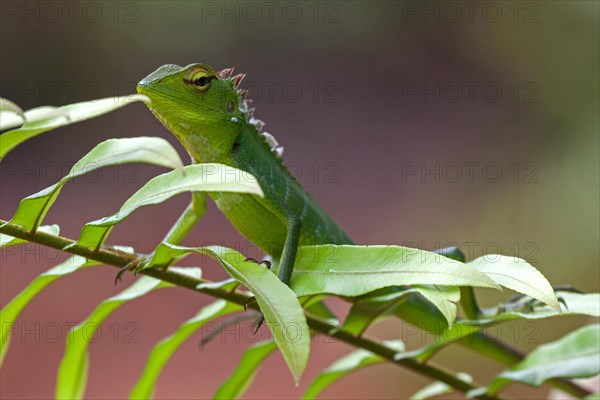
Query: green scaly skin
209, 116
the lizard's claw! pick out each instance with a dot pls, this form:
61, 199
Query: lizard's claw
252, 300
562, 301
267, 263
567, 288
259, 323
563, 288
134, 266
261, 319
523, 303
248, 302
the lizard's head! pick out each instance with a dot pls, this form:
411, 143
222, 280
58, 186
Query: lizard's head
202, 108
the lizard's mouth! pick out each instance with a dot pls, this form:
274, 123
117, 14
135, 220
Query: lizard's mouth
148, 88
144, 88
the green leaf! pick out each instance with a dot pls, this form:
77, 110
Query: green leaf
315, 306
374, 306
280, 306
197, 177
33, 209
6, 240
443, 297
355, 270
162, 352
438, 388
344, 366
369, 308
593, 396
580, 303
11, 115
576, 355
444, 336
576, 304
235, 386
10, 120
69, 383
81, 377
8, 106
434, 389
425, 316
13, 309
517, 274
43, 119
227, 285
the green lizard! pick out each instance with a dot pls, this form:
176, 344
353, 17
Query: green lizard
209, 115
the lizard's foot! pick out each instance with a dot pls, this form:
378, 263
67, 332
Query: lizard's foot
259, 323
250, 301
524, 303
134, 266
562, 288
261, 319
567, 288
267, 263
520, 303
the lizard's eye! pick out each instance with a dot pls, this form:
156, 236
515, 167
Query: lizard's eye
200, 81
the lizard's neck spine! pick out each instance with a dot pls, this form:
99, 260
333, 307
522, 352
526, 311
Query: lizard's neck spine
249, 112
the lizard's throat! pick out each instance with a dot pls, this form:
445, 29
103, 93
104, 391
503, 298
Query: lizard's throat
201, 149
201, 146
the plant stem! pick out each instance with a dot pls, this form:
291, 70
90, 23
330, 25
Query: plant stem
120, 259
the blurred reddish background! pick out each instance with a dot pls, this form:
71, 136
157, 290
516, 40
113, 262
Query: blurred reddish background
423, 124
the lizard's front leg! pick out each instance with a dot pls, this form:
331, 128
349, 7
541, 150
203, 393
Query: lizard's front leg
288, 257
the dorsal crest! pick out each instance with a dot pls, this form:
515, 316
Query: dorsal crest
243, 105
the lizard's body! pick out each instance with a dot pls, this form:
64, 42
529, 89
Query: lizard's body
284, 200
218, 127
208, 114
